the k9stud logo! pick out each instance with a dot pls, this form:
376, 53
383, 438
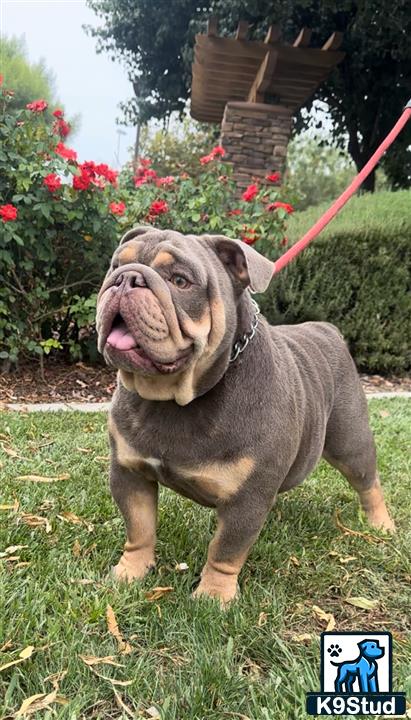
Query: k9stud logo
356, 676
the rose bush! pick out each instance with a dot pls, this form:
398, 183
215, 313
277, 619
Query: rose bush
57, 234
208, 203
60, 220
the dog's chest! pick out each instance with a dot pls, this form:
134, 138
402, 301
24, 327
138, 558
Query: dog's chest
206, 482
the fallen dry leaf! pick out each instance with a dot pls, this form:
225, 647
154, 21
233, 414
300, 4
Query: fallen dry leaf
295, 561
107, 660
362, 602
348, 531
10, 451
8, 644
385, 413
70, 517
327, 617
43, 478
76, 549
122, 705
113, 681
152, 712
181, 567
36, 521
157, 593
23, 655
348, 559
123, 646
12, 549
40, 701
262, 619
302, 638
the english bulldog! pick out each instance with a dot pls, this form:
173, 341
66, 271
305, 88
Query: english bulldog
215, 403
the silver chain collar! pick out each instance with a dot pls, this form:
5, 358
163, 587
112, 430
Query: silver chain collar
241, 344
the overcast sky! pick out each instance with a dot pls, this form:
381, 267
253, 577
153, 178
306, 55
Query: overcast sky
88, 84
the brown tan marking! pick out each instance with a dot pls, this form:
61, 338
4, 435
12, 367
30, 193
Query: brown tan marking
374, 506
129, 254
372, 499
139, 508
163, 258
220, 480
128, 457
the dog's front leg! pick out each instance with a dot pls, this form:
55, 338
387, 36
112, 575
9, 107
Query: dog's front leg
238, 526
136, 497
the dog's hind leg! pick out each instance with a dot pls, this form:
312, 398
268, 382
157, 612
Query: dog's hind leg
349, 447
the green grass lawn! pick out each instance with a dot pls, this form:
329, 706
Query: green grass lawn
189, 660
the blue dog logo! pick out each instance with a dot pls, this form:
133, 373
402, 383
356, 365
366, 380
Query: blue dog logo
356, 687
364, 669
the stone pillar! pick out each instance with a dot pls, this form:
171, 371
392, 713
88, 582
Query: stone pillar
255, 137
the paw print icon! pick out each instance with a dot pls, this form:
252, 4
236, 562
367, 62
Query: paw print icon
334, 650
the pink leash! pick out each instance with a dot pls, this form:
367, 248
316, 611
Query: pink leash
299, 246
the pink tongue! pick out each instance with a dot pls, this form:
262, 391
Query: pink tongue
121, 339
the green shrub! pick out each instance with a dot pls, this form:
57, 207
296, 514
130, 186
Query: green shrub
356, 274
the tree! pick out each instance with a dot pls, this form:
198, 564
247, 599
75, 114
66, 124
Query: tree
365, 94
29, 81
152, 38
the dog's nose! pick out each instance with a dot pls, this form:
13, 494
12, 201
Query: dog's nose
131, 279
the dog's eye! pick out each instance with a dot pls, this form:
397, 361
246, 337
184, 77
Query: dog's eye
180, 282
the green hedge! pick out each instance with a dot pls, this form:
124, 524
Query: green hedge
356, 274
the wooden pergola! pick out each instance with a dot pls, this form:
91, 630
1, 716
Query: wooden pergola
271, 73
226, 69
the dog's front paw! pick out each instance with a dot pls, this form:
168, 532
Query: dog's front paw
219, 586
133, 566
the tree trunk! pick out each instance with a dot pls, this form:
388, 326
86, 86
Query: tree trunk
361, 155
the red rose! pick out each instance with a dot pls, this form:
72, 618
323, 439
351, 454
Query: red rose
249, 235
144, 175
158, 207
217, 151
82, 181
8, 212
106, 172
274, 177
65, 152
237, 211
117, 208
58, 113
206, 159
250, 193
145, 162
168, 180
285, 206
52, 182
37, 106
88, 166
61, 127
1, 80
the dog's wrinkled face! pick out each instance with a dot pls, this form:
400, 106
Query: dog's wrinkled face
167, 308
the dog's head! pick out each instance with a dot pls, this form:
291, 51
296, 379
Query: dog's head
371, 649
167, 309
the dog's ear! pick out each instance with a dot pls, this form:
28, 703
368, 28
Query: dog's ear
135, 232
245, 265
